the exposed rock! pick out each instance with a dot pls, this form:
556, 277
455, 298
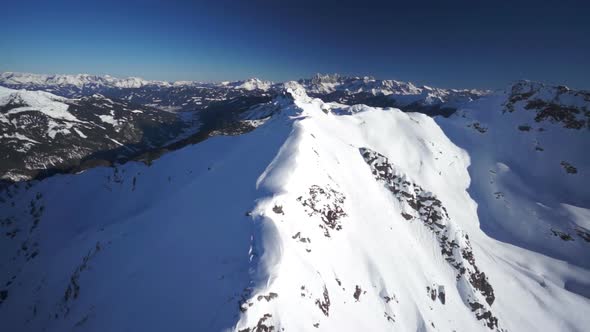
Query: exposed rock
357, 293
524, 128
562, 235
455, 246
278, 209
324, 304
268, 297
327, 203
569, 168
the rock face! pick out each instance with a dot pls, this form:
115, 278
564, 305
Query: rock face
455, 247
299, 214
558, 104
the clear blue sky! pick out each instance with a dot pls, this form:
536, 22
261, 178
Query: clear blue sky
442, 43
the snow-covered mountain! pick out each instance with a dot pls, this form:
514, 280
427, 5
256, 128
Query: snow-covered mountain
80, 81
326, 217
250, 84
189, 95
528, 149
388, 93
42, 132
170, 96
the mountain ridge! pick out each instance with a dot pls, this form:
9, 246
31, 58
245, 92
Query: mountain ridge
219, 108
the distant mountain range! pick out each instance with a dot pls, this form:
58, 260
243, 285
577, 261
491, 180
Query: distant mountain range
53, 123
388, 93
172, 96
190, 95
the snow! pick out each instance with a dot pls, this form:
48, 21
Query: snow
60, 120
110, 119
81, 134
404, 93
53, 131
256, 123
54, 128
380, 251
580, 215
251, 84
79, 80
116, 142
19, 137
180, 247
518, 181
44, 102
4, 119
297, 226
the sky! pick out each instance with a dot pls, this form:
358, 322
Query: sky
456, 44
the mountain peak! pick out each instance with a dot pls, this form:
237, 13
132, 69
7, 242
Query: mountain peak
77, 80
251, 84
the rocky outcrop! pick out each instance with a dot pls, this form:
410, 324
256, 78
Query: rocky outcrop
422, 206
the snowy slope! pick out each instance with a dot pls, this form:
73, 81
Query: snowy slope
530, 166
326, 217
375, 262
153, 270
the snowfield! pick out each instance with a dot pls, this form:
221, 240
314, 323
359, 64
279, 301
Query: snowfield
324, 218
46, 103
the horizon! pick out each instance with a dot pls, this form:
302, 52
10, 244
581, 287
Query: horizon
455, 45
507, 85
